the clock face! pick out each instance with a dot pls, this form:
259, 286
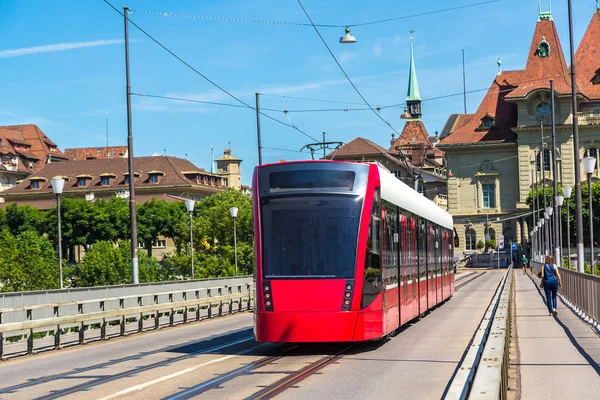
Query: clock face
543, 108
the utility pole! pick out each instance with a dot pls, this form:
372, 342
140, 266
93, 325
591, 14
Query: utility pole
132, 212
107, 135
543, 172
324, 145
464, 81
258, 129
577, 169
555, 237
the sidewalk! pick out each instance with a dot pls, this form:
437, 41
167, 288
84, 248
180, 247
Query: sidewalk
558, 357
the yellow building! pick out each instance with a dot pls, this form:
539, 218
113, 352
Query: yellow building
493, 155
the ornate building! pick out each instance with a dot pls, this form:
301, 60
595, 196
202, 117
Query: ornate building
494, 154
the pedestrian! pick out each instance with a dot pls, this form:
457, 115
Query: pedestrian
524, 262
551, 281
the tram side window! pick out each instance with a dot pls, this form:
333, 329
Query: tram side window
422, 248
390, 243
372, 280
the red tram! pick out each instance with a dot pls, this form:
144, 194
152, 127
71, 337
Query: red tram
344, 252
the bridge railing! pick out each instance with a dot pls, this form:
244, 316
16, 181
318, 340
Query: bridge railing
100, 317
581, 291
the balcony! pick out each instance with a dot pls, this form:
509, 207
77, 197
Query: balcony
589, 118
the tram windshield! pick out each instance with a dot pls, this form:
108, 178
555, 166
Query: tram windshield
310, 236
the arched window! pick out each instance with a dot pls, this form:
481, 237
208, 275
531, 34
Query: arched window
470, 239
547, 161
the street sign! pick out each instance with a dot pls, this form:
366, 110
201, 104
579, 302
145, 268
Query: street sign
513, 246
501, 241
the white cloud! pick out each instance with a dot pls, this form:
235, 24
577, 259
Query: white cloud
377, 50
56, 47
346, 56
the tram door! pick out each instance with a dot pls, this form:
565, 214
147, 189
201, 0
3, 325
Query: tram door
422, 264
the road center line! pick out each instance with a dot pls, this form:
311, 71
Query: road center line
144, 385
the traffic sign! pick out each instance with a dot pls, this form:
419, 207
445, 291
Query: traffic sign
513, 246
501, 241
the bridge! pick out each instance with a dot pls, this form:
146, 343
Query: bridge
492, 339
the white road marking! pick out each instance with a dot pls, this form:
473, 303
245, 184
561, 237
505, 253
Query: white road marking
144, 385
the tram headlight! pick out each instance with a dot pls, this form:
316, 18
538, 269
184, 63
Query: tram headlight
348, 295
347, 302
268, 303
348, 287
267, 295
267, 288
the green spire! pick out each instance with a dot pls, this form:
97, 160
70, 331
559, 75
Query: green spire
212, 160
413, 86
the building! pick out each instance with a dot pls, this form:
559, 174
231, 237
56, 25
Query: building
229, 168
24, 149
494, 154
163, 177
412, 157
96, 153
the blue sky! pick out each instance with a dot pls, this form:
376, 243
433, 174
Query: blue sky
63, 69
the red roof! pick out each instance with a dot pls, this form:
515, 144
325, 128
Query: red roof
414, 133
40, 143
587, 59
539, 70
96, 153
494, 106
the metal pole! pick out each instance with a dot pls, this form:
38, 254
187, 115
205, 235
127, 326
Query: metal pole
560, 237
568, 234
235, 247
555, 177
591, 213
107, 135
60, 254
536, 212
192, 244
543, 176
132, 213
577, 169
324, 147
258, 129
464, 81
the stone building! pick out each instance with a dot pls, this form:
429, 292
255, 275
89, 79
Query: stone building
494, 154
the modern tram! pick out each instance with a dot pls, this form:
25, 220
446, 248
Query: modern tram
345, 252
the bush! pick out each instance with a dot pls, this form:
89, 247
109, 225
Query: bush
480, 245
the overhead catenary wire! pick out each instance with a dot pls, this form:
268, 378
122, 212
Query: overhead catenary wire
292, 23
204, 76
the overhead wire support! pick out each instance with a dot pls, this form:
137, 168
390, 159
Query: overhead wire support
202, 75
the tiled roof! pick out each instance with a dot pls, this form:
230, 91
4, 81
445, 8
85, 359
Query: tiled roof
39, 141
455, 122
539, 70
587, 59
91, 153
493, 105
414, 133
172, 167
358, 147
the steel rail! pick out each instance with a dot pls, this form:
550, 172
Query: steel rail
462, 284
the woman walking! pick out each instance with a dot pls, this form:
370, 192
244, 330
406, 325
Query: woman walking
551, 281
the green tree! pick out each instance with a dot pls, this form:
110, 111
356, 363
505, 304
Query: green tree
480, 245
157, 218
3, 224
24, 218
78, 219
27, 262
104, 264
111, 220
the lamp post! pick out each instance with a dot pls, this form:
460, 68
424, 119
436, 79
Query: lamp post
58, 185
189, 205
234, 212
549, 211
567, 194
540, 239
589, 164
559, 202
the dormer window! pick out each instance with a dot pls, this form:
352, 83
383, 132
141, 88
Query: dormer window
83, 180
543, 49
155, 176
105, 179
487, 122
596, 78
35, 184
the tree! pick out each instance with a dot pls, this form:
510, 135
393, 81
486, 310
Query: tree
111, 220
27, 262
3, 224
480, 245
23, 218
157, 218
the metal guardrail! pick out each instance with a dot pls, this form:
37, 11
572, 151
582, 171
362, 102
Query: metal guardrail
581, 291
491, 330
116, 309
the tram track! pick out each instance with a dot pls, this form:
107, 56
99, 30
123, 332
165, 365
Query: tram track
467, 281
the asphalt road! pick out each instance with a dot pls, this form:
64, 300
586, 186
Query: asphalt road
219, 359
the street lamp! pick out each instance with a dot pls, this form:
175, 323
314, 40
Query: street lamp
347, 38
559, 202
589, 164
540, 238
189, 205
550, 243
567, 193
234, 212
58, 185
